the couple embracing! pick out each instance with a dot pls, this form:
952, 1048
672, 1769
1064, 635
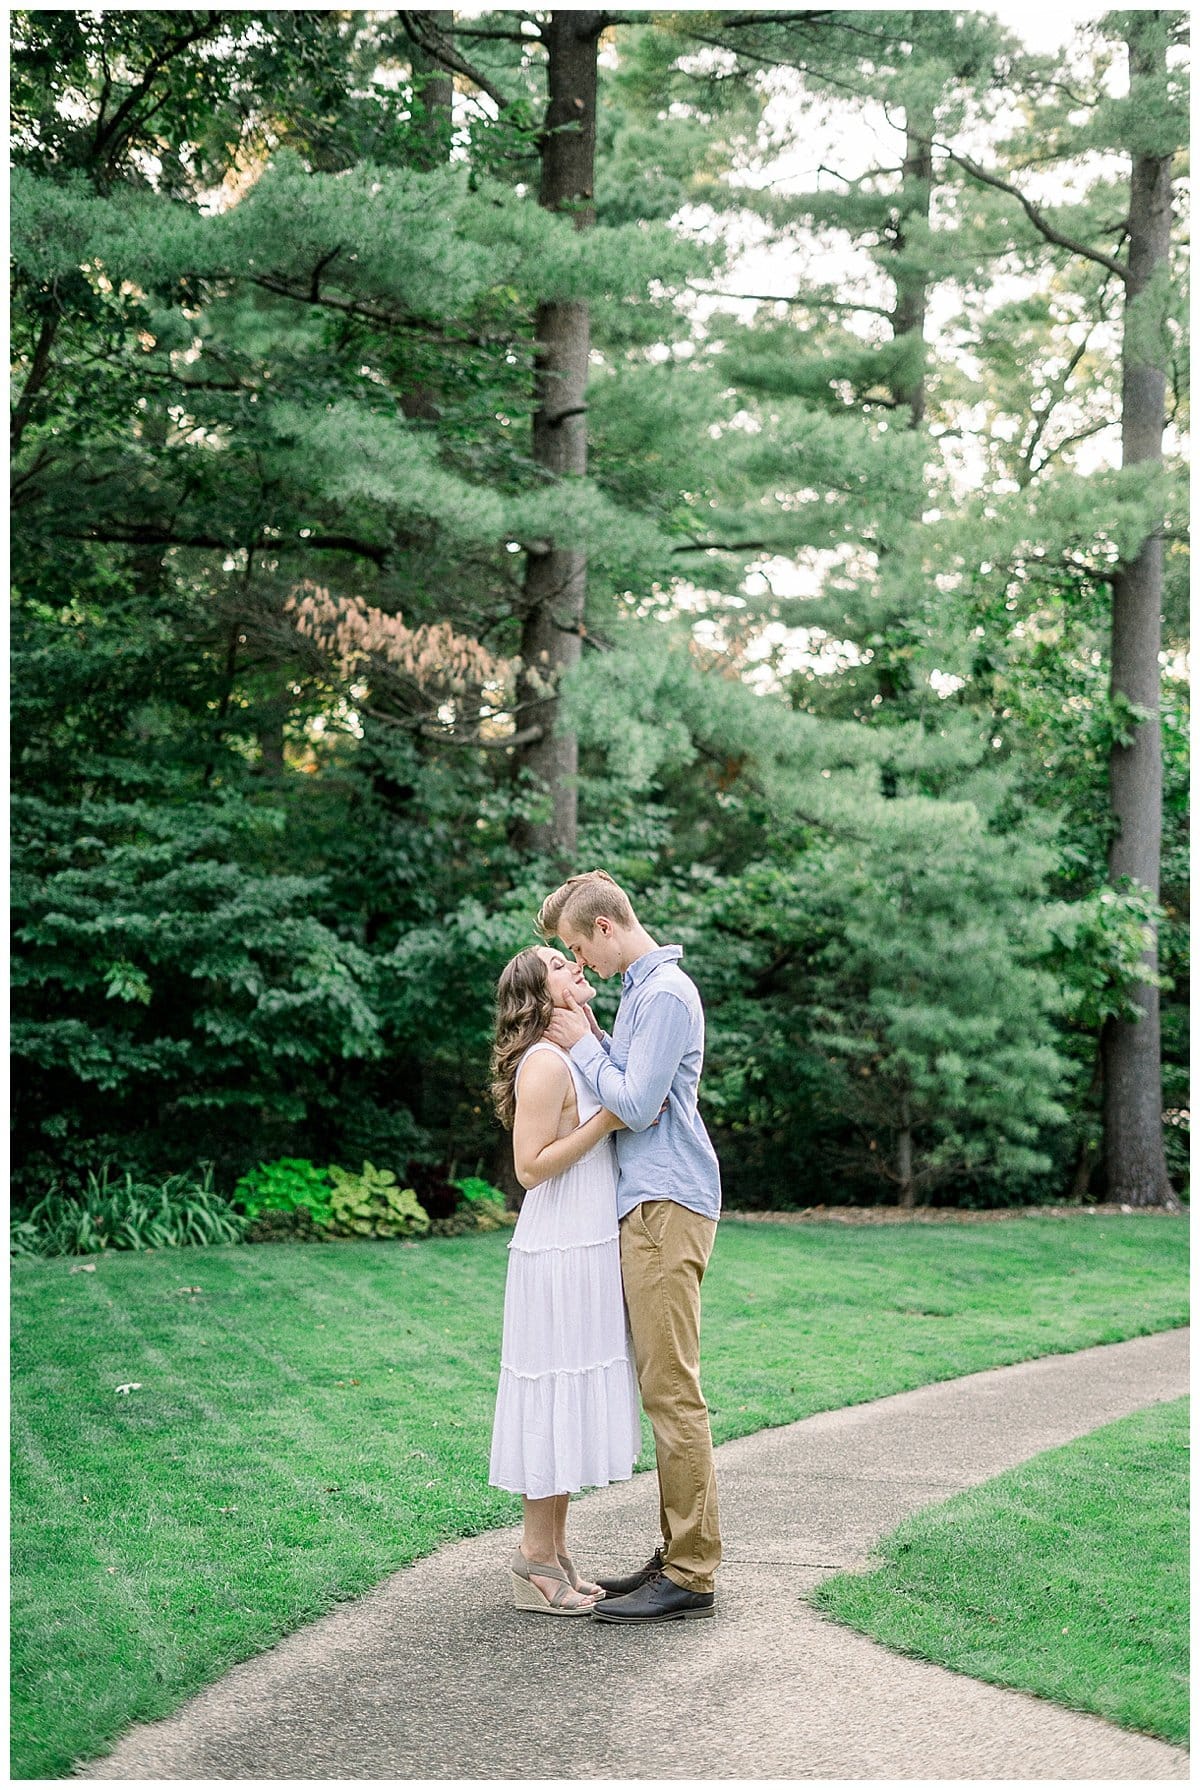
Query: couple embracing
608, 1254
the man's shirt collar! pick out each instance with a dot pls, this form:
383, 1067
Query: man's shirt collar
641, 966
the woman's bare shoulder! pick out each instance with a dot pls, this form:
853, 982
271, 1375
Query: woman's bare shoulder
543, 1072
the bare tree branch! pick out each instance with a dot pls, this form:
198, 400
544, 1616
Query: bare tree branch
421, 725
722, 547
38, 372
104, 143
427, 37
1033, 212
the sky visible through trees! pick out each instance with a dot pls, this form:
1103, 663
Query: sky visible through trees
742, 449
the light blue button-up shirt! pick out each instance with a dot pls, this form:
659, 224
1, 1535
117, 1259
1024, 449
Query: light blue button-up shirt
655, 1054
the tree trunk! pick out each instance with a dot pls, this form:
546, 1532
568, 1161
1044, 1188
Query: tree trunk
904, 1157
912, 284
556, 572
908, 317
1134, 1159
433, 99
433, 122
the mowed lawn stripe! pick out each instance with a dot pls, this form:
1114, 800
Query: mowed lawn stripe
316, 1417
1066, 1576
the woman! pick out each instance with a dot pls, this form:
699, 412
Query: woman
566, 1410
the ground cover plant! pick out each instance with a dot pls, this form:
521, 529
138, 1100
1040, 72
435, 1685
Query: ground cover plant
1067, 1576
287, 1200
211, 1449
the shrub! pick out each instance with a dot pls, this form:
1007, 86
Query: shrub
485, 1209
299, 1226
370, 1204
288, 1184
176, 1213
440, 1196
478, 1191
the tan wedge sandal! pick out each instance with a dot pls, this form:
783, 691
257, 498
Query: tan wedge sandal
573, 1579
528, 1596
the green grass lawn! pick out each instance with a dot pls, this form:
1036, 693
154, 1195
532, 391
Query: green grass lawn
1067, 1576
312, 1418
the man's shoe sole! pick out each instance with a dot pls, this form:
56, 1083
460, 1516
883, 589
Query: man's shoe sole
599, 1615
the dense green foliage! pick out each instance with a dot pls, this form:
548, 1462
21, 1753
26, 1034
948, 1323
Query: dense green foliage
126, 1214
288, 1200
1018, 1581
272, 491
306, 1421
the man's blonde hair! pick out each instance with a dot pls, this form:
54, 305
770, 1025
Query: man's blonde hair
579, 903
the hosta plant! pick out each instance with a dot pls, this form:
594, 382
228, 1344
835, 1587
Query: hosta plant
370, 1204
289, 1184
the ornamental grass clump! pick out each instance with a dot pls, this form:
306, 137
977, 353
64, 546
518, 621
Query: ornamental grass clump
179, 1212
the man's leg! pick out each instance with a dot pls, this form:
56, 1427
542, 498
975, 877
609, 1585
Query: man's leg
664, 1252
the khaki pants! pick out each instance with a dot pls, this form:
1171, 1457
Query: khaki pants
664, 1252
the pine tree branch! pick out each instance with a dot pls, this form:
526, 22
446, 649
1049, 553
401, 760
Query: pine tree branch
740, 21
1070, 441
809, 303
525, 737
1033, 212
353, 307
421, 725
512, 37
17, 484
428, 38
1042, 417
723, 547
150, 535
314, 288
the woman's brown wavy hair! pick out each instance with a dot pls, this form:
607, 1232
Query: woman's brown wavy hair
523, 1009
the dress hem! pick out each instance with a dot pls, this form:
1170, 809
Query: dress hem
564, 1491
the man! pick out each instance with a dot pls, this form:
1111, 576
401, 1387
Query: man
668, 1201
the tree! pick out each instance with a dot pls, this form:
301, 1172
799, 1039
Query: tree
1149, 127
891, 626
555, 593
1134, 1163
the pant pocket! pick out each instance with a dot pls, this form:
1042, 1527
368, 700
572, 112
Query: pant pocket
655, 1216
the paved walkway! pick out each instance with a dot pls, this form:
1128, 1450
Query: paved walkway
435, 1675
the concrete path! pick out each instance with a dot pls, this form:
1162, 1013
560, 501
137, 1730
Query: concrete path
435, 1675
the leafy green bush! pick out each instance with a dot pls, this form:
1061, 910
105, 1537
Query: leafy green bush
478, 1191
370, 1204
289, 1184
128, 1214
300, 1226
484, 1210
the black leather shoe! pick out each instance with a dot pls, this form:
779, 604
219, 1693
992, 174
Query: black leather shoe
660, 1599
631, 1581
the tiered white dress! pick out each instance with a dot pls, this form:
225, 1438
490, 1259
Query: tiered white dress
567, 1406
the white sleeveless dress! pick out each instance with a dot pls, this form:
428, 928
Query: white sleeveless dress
567, 1405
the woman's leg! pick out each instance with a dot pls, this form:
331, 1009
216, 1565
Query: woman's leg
545, 1534
561, 1506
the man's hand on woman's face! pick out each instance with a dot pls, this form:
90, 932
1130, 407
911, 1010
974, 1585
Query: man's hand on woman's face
567, 1024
